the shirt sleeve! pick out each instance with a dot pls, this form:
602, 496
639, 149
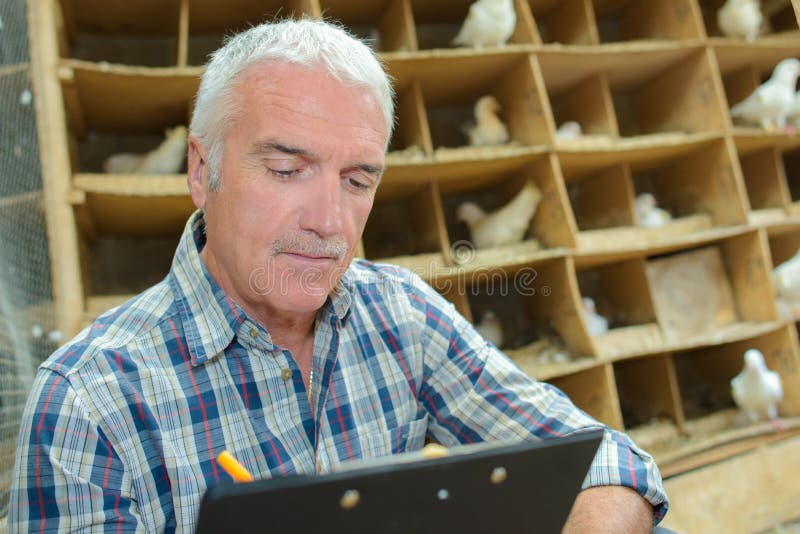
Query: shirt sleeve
476, 393
67, 476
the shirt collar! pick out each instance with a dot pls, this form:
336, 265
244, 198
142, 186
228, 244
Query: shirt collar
211, 319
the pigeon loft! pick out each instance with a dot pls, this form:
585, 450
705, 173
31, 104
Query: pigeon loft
670, 90
674, 91
437, 23
704, 376
157, 34
649, 398
492, 188
780, 20
694, 181
678, 405
784, 243
206, 23
700, 183
134, 33
621, 294
451, 87
408, 229
743, 70
586, 101
629, 20
601, 200
650, 83
767, 188
113, 108
386, 25
537, 306
593, 391
126, 265
412, 136
568, 22
712, 292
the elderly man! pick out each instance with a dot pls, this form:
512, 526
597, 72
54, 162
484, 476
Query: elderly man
267, 339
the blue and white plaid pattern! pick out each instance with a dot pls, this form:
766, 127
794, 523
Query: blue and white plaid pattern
124, 422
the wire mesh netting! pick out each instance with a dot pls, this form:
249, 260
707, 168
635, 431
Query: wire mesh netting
27, 333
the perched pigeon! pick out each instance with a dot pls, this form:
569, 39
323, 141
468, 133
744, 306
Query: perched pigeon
488, 23
786, 278
757, 390
740, 18
569, 130
490, 328
167, 158
596, 323
769, 104
507, 225
649, 214
488, 129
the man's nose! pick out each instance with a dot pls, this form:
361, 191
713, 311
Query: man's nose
322, 212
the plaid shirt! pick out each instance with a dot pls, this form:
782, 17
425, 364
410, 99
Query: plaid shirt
123, 424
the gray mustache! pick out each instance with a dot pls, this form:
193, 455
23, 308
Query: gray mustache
311, 245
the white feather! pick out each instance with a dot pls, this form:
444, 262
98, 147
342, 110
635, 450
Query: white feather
596, 323
768, 106
786, 278
166, 158
488, 128
740, 18
757, 390
490, 328
569, 130
488, 23
507, 225
648, 214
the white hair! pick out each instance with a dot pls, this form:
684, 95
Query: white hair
305, 42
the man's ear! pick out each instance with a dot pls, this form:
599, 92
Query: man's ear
197, 174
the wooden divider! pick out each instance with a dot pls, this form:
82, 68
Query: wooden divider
565, 22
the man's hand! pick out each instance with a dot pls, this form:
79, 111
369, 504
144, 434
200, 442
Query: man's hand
609, 509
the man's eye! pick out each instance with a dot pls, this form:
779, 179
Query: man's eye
282, 173
358, 184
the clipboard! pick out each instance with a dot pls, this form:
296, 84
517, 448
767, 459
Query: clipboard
523, 487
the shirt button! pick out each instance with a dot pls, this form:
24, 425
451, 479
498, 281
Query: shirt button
286, 374
253, 333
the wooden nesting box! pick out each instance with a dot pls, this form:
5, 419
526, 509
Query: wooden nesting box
650, 83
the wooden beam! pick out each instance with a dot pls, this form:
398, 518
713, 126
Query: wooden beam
183, 34
72, 101
54, 154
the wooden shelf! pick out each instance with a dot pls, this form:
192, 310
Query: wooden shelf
132, 205
650, 83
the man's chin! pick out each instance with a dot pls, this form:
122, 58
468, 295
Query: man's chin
302, 302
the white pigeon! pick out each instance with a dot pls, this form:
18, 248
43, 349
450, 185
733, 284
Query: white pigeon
507, 225
596, 323
786, 278
488, 129
649, 214
757, 390
793, 115
769, 104
166, 158
488, 23
490, 328
740, 18
569, 130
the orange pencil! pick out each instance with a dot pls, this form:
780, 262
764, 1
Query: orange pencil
231, 465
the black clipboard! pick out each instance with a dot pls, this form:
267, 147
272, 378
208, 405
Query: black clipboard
524, 487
